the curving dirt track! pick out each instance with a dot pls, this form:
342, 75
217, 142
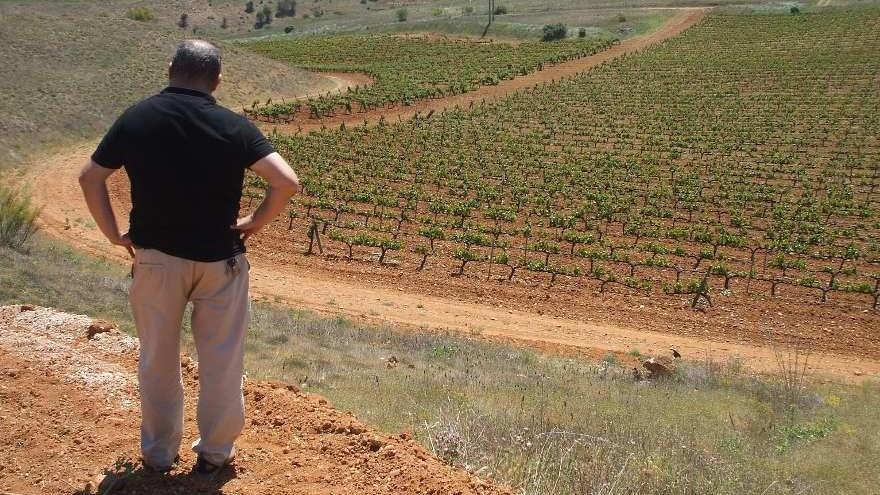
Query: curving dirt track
69, 410
560, 319
682, 20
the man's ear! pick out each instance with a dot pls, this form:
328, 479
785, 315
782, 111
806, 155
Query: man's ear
217, 83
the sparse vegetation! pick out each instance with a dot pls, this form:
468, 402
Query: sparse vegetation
141, 14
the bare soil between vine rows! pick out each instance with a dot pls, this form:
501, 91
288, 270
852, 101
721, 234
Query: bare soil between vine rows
569, 317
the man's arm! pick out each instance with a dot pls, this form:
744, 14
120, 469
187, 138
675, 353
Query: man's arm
93, 181
283, 183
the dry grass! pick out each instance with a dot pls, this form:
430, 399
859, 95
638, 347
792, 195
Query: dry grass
71, 67
544, 424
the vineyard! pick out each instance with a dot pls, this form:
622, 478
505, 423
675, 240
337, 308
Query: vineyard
740, 158
406, 69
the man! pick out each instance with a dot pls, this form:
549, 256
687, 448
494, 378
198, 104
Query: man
186, 158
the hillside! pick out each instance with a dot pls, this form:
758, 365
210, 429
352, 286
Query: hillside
69, 68
68, 412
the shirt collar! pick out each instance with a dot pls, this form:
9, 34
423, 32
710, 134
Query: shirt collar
190, 92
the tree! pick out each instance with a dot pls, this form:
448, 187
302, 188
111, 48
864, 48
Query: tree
285, 8
553, 32
264, 18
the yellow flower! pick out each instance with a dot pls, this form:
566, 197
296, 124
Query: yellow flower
832, 400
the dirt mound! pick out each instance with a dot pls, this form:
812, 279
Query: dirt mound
68, 414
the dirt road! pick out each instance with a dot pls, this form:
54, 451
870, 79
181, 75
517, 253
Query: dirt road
598, 326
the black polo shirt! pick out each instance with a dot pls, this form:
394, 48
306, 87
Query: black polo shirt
185, 157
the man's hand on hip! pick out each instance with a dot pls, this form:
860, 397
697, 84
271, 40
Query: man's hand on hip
283, 183
125, 242
246, 226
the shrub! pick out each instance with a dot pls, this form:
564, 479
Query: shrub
402, 14
794, 10
582, 33
224, 24
468, 10
286, 8
141, 14
621, 18
500, 10
18, 219
183, 22
249, 8
288, 29
554, 32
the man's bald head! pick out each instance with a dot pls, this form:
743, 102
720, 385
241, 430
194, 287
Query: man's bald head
196, 64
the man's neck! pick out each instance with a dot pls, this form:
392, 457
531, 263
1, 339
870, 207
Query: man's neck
190, 86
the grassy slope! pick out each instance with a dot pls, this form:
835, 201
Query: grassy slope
71, 67
544, 424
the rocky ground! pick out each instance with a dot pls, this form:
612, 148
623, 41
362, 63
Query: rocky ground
69, 416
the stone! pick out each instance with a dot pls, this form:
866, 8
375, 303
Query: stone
99, 326
659, 367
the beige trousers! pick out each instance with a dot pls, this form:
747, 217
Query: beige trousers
162, 286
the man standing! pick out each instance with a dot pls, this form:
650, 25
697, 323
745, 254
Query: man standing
186, 158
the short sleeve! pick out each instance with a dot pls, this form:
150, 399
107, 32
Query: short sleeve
257, 146
110, 152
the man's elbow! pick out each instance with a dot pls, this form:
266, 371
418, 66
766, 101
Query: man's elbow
289, 186
84, 178
88, 176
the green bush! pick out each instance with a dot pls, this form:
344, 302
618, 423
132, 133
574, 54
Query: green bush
500, 10
402, 14
18, 219
553, 32
582, 33
795, 10
141, 14
621, 18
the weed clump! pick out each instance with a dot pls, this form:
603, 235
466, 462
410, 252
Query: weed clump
18, 217
140, 14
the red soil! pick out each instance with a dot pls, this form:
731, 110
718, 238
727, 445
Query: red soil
59, 431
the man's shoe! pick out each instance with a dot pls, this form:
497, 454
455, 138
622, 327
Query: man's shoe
160, 469
207, 468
